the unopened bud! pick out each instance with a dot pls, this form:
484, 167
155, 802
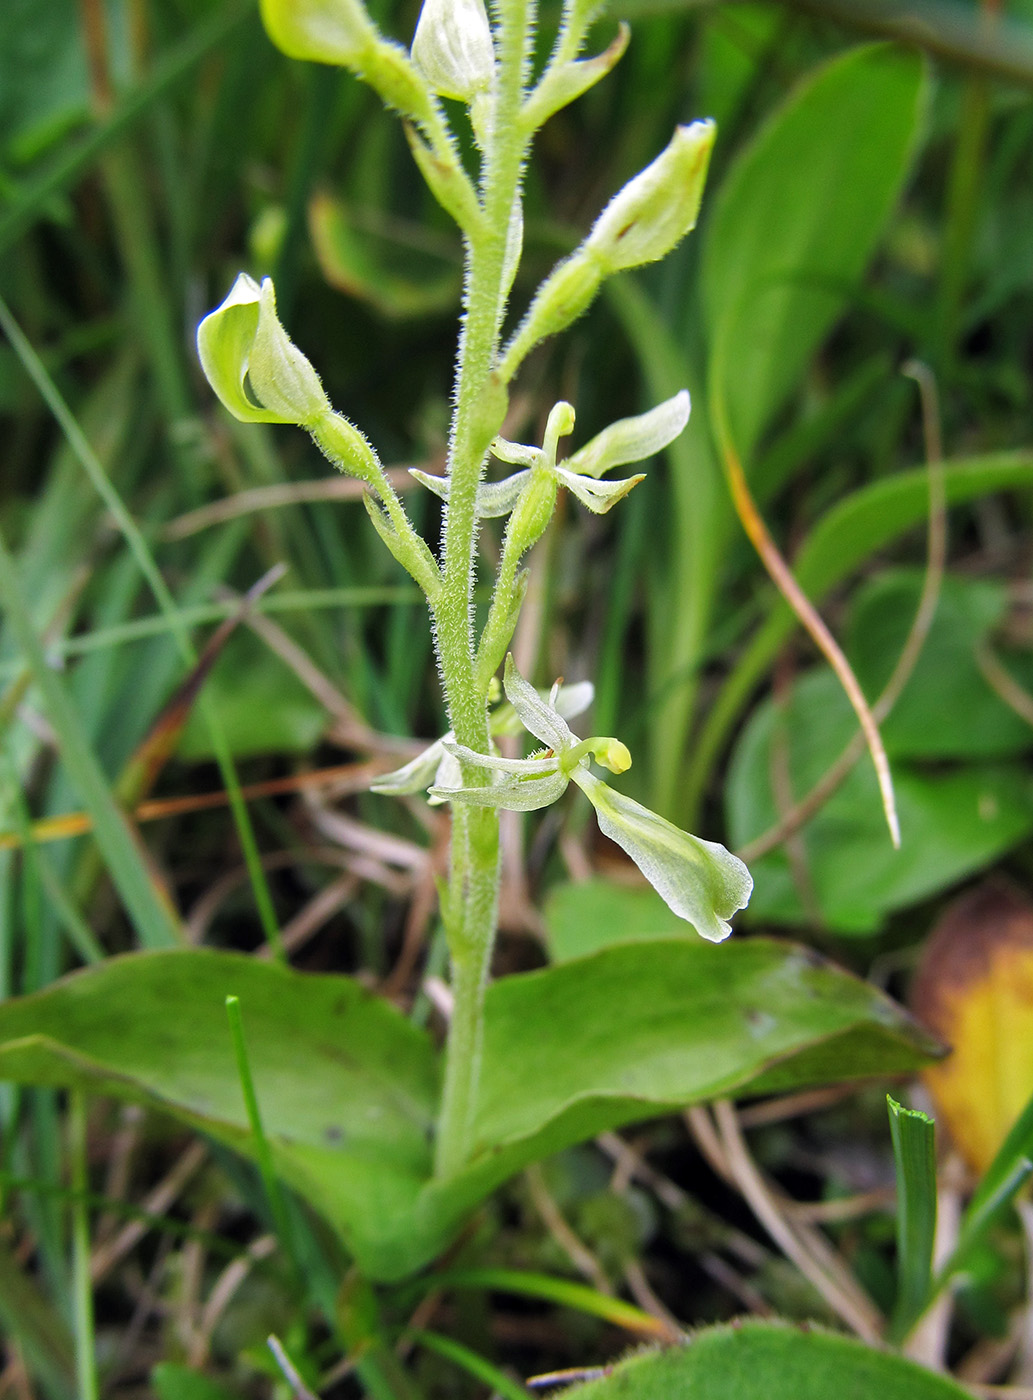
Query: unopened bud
323, 31
453, 48
281, 376
655, 210
251, 363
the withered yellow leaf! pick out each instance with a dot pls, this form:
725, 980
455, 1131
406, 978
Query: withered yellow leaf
974, 988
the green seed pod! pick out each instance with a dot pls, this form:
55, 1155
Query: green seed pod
532, 513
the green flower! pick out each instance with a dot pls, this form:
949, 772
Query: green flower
701, 881
628, 440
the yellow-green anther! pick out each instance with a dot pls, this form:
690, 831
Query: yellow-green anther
560, 424
251, 363
612, 754
608, 752
655, 210
453, 48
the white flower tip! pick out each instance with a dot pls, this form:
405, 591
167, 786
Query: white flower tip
453, 49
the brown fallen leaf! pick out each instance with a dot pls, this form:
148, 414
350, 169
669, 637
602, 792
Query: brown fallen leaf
974, 988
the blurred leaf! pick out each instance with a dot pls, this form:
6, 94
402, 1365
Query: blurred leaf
30, 1320
174, 1382
581, 918
974, 985
796, 221
953, 822
261, 705
390, 268
914, 1154
947, 709
752, 1360
1011, 1169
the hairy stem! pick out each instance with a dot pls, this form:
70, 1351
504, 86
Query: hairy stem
480, 406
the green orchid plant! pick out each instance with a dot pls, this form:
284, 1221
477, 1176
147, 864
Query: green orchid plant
260, 376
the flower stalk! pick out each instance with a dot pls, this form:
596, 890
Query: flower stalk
261, 376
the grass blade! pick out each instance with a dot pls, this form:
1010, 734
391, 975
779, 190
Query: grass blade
914, 1152
125, 858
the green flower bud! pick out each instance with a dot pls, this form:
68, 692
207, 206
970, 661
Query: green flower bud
453, 48
251, 363
655, 210
323, 31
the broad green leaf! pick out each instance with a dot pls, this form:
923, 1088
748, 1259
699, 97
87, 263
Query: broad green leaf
753, 1360
347, 1087
592, 914
796, 221
652, 1025
947, 709
914, 1155
953, 821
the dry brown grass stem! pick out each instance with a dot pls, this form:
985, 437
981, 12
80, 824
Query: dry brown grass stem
579, 1254
798, 814
291, 493
804, 1247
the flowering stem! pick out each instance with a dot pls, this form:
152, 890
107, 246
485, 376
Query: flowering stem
470, 914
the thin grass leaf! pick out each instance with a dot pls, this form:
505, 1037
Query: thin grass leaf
1009, 1171
82, 1285
914, 1153
551, 1290
176, 65
470, 1361
101, 482
123, 853
263, 1152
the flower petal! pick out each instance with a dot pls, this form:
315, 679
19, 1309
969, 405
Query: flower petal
700, 880
512, 793
536, 715
598, 496
632, 439
415, 776
569, 702
529, 767
494, 498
